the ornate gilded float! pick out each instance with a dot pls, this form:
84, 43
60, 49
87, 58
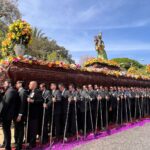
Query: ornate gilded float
42, 71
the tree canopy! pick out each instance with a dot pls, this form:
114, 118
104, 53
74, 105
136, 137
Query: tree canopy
40, 46
9, 11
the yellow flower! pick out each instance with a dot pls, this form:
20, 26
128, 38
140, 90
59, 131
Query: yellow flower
13, 36
21, 26
10, 27
10, 58
16, 28
18, 34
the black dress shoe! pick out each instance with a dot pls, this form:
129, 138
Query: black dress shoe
30, 147
45, 142
18, 147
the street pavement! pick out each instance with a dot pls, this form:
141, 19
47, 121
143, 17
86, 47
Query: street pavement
137, 138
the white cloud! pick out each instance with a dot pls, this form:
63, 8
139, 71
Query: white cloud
127, 46
86, 15
67, 15
139, 23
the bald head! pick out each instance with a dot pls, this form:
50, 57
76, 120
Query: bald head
90, 87
33, 85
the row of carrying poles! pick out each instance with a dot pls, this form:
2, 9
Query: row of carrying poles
87, 102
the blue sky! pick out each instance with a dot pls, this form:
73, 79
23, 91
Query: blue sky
125, 25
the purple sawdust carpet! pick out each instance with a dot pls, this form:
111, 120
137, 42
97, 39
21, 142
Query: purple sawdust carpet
72, 144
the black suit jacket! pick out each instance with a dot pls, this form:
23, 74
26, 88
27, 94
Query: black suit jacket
35, 108
84, 97
65, 96
57, 95
93, 94
23, 105
47, 97
1, 96
9, 107
113, 99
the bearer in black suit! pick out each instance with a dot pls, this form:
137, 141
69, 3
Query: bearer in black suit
113, 104
9, 111
35, 105
46, 105
84, 109
64, 96
19, 122
56, 99
73, 110
93, 101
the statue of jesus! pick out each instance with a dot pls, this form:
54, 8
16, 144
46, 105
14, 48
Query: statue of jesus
100, 47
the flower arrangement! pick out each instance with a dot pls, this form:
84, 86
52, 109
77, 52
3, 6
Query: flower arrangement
19, 32
91, 61
132, 70
60, 64
6, 48
148, 68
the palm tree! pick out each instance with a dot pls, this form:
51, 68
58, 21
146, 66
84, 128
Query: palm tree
38, 34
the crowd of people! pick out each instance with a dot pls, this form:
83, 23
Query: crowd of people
57, 112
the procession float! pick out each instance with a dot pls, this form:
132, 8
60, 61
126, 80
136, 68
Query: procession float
100, 70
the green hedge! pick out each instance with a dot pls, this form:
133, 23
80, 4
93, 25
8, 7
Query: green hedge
127, 63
